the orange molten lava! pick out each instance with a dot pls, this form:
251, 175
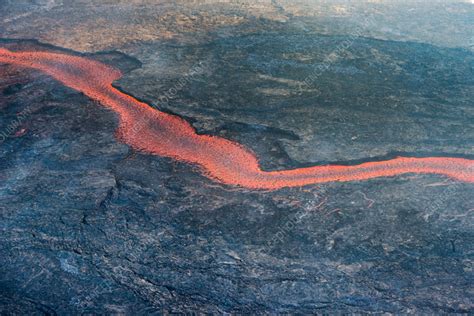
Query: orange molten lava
155, 132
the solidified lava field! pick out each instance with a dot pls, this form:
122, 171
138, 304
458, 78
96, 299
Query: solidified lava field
265, 158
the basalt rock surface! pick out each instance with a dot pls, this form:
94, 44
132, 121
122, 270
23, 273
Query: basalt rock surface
90, 226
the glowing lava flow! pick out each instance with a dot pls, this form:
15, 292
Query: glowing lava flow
155, 132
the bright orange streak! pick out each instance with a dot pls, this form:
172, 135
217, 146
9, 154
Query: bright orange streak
159, 133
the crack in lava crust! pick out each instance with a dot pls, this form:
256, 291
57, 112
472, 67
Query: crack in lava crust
144, 128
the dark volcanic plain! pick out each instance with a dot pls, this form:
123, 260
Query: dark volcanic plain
90, 226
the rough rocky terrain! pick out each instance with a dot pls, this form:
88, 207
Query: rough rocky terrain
90, 226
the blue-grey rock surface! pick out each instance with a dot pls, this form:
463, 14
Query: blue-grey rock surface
91, 226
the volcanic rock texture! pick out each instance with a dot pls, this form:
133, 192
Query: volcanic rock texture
89, 225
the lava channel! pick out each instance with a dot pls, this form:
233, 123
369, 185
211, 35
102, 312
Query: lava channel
147, 129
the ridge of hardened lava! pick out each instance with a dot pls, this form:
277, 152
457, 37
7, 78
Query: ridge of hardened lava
147, 129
